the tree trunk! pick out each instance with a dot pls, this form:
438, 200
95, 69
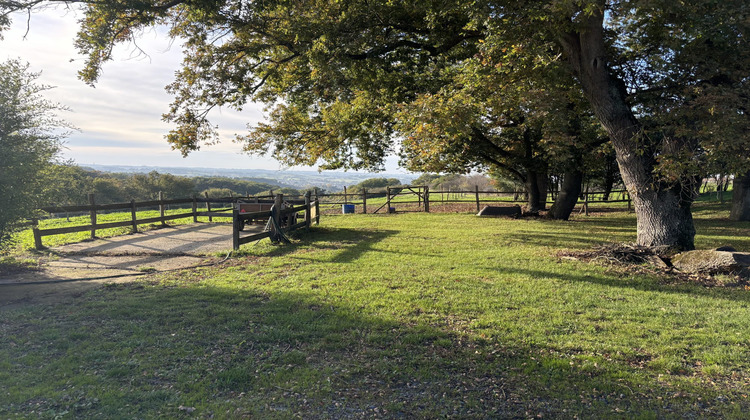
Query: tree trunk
536, 189
741, 198
663, 213
568, 196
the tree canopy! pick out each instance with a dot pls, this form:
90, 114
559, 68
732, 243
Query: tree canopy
30, 134
459, 84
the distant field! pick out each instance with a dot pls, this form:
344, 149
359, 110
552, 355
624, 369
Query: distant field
395, 316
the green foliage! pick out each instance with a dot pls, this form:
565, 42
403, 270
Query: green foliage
67, 184
217, 192
373, 184
287, 191
237, 186
30, 134
425, 179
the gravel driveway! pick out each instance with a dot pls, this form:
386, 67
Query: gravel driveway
76, 266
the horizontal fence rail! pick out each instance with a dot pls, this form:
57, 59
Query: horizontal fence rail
419, 198
226, 211
407, 198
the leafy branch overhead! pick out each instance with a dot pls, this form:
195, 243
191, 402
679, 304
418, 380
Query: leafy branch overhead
446, 83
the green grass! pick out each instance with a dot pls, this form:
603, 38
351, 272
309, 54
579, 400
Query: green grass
416, 315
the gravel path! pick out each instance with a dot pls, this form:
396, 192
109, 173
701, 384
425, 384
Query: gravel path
75, 267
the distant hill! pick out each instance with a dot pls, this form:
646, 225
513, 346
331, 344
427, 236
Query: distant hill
330, 180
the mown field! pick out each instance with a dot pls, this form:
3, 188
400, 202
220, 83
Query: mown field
395, 316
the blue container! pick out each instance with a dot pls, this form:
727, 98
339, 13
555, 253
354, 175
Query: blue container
347, 208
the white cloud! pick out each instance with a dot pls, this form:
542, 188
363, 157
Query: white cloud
122, 114
120, 119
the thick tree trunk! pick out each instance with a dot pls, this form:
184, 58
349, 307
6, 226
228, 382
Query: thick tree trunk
568, 196
536, 192
663, 214
741, 198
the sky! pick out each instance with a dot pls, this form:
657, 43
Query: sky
120, 118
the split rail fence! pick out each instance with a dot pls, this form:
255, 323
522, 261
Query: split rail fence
228, 208
420, 198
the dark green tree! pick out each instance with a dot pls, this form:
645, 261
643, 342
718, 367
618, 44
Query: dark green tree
68, 184
372, 184
30, 134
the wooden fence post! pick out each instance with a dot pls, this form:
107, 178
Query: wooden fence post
586, 202
37, 235
364, 200
277, 203
195, 209
161, 208
308, 210
133, 216
208, 207
427, 199
388, 199
476, 191
92, 202
235, 228
317, 207
346, 199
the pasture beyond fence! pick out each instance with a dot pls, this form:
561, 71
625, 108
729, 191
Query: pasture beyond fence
277, 214
421, 199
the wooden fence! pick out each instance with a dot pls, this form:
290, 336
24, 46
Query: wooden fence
280, 220
419, 198
227, 211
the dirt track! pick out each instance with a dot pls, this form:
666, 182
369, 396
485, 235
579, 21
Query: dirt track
72, 268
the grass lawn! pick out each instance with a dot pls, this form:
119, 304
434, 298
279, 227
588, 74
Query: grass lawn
396, 316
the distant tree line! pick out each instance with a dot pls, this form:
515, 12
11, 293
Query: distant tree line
71, 184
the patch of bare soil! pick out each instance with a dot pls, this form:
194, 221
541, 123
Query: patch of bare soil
71, 269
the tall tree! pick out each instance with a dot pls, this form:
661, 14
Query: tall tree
29, 143
336, 74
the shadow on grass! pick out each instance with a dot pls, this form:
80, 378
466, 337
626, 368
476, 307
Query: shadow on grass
640, 282
721, 232
156, 351
590, 232
350, 244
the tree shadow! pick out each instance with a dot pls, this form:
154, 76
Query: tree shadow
721, 232
286, 354
171, 240
644, 283
561, 239
348, 244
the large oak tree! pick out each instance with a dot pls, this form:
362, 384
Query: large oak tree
337, 76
